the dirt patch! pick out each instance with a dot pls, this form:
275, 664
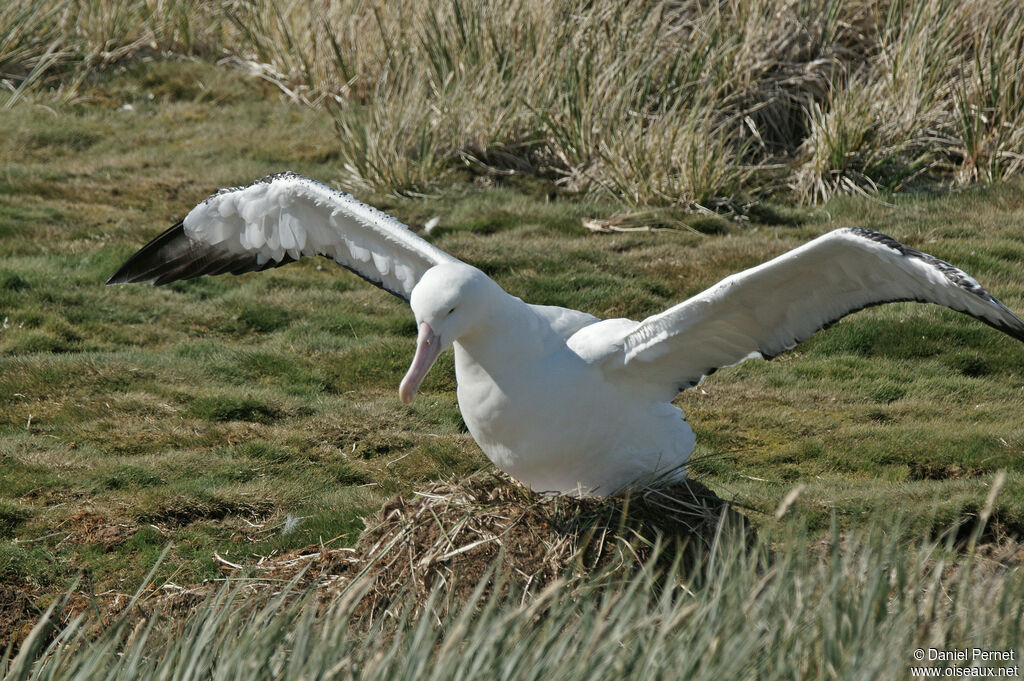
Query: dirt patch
93, 528
183, 510
1000, 530
934, 471
18, 613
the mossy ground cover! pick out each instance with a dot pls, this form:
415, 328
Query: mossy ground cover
258, 414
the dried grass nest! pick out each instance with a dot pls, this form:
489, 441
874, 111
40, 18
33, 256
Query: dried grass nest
452, 535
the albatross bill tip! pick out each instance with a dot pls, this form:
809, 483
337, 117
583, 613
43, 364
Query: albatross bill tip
428, 348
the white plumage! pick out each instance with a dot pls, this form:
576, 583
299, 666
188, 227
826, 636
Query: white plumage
557, 398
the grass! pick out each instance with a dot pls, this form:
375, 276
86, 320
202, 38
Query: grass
784, 616
206, 412
685, 104
248, 417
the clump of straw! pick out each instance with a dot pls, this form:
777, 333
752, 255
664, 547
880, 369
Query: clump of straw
451, 536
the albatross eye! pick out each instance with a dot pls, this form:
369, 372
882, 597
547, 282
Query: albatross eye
450, 311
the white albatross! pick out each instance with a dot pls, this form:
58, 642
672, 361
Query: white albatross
559, 399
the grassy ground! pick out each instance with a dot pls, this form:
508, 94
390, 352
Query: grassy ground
256, 414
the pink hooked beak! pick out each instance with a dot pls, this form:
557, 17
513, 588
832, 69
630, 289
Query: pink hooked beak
428, 347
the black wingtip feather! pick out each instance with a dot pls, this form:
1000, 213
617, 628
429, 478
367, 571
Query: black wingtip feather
148, 263
1007, 322
173, 256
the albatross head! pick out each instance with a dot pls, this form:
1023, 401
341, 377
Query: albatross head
449, 302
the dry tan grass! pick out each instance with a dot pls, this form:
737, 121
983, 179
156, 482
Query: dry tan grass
675, 102
678, 102
487, 529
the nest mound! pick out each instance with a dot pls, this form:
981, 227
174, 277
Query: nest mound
487, 528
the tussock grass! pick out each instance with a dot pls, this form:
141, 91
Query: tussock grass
793, 614
64, 41
696, 105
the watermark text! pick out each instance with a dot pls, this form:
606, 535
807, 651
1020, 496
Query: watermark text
979, 663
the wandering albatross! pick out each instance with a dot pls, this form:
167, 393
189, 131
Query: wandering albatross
559, 399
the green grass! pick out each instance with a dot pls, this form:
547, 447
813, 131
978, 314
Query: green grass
748, 614
204, 414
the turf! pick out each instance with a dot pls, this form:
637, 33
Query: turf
258, 414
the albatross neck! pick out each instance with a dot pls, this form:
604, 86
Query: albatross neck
509, 332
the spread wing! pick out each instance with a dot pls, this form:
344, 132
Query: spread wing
770, 308
278, 220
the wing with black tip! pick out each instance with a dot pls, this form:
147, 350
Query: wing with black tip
772, 307
278, 220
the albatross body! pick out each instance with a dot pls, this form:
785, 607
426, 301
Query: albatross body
536, 400
560, 400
